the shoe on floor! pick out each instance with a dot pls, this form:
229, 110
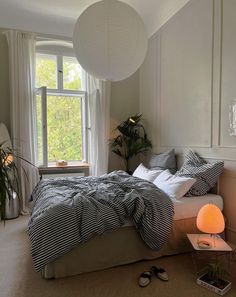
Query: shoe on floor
160, 273
145, 278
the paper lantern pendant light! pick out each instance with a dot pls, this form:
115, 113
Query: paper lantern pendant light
109, 40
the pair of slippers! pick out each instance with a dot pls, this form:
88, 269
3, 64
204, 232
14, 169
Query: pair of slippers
146, 276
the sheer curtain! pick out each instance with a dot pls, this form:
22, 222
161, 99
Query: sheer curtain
22, 68
99, 93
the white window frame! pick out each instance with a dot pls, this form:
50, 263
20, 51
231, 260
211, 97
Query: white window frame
59, 91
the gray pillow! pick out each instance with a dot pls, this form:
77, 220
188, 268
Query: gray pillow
205, 173
163, 161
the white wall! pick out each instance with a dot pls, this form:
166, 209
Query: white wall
124, 103
186, 84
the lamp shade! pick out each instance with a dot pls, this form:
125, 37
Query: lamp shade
9, 159
210, 219
109, 40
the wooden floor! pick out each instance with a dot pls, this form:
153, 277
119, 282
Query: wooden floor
18, 278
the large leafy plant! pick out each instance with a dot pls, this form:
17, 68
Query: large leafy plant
8, 177
131, 141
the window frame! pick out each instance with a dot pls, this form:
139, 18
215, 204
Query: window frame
59, 91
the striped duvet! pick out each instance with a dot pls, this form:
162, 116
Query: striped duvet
70, 211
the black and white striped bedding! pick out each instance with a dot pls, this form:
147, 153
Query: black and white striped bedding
70, 211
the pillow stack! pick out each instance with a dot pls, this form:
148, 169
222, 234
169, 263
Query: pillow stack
174, 186
195, 178
205, 173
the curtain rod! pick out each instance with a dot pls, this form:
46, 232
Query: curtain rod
40, 36
43, 36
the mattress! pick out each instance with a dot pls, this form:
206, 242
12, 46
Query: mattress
188, 207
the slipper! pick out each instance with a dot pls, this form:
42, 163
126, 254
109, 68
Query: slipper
145, 278
160, 273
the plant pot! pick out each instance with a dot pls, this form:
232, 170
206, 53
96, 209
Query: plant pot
220, 287
12, 206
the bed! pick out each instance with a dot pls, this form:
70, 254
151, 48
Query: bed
123, 244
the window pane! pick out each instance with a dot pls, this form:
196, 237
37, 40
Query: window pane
46, 71
64, 128
39, 129
72, 74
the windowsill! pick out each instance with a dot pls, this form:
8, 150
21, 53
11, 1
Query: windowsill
69, 164
72, 167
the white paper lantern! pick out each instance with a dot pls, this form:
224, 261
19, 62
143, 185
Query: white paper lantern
109, 40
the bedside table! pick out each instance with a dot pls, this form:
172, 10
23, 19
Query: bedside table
218, 249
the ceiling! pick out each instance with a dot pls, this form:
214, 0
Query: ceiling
58, 17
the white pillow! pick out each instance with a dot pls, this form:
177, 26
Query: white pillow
174, 186
145, 173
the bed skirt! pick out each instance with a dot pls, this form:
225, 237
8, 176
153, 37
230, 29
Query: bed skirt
119, 247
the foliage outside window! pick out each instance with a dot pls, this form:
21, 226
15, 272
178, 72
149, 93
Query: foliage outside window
72, 74
60, 109
46, 71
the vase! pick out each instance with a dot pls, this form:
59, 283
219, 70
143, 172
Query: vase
12, 206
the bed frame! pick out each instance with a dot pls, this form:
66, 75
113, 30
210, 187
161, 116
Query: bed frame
119, 247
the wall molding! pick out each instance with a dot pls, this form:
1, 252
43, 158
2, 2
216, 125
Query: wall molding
220, 17
211, 146
216, 86
165, 35
227, 84
214, 137
212, 69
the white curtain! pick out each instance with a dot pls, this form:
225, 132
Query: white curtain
99, 93
22, 68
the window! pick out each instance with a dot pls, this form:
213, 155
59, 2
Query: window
60, 110
46, 71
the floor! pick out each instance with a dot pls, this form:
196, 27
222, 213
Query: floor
18, 278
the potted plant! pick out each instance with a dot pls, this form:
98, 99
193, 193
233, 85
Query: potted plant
8, 184
131, 141
212, 279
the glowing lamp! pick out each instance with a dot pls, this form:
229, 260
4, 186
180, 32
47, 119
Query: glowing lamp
8, 160
210, 220
132, 120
